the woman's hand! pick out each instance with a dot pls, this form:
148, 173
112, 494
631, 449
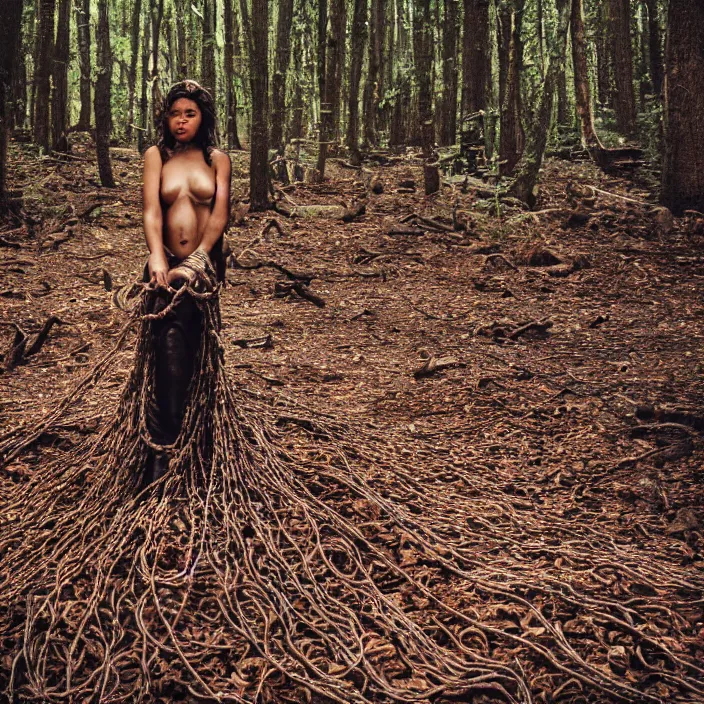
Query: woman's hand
158, 269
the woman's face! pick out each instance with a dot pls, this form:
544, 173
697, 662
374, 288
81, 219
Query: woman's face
184, 119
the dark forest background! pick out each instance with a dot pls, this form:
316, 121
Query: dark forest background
487, 85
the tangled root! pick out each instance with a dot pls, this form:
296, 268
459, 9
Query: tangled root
286, 554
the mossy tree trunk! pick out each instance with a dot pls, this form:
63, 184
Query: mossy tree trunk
233, 140
372, 85
134, 59
622, 52
448, 126
282, 59
528, 169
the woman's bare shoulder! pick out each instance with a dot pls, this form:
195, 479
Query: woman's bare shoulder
152, 155
219, 157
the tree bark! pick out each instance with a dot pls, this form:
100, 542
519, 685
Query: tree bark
583, 99
11, 20
208, 76
622, 51
325, 111
603, 56
335, 63
233, 140
423, 53
45, 42
683, 159
83, 35
372, 86
102, 96
359, 36
59, 98
476, 62
524, 185
259, 78
182, 12
134, 59
144, 98
448, 128
654, 47
282, 59
157, 13
512, 136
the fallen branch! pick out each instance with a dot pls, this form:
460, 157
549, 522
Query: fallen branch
539, 326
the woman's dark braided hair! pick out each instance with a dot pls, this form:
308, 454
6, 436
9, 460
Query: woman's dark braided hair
205, 137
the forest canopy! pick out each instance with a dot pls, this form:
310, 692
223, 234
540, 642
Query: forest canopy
480, 86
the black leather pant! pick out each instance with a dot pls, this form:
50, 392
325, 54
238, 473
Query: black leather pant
176, 339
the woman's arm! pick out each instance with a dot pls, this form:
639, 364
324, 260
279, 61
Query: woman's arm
220, 214
153, 217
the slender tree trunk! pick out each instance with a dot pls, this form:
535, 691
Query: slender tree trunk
524, 185
18, 114
335, 63
134, 59
278, 80
371, 88
11, 21
563, 103
144, 115
296, 125
59, 97
102, 96
157, 13
325, 110
423, 51
182, 48
683, 159
83, 34
448, 129
398, 132
208, 72
603, 56
359, 36
43, 72
476, 62
622, 51
581, 82
259, 77
654, 48
512, 136
233, 140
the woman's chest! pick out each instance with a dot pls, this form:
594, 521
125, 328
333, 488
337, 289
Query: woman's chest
187, 177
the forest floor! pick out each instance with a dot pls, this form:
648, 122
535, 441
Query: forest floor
557, 353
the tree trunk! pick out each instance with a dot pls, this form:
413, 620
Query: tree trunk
208, 77
278, 80
59, 97
325, 111
683, 159
512, 136
371, 87
524, 186
182, 11
654, 48
43, 65
134, 58
423, 52
157, 12
448, 128
603, 56
83, 35
622, 51
259, 77
335, 63
102, 96
359, 35
11, 20
295, 128
581, 82
476, 61
233, 140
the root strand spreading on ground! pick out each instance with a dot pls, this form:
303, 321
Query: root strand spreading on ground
287, 553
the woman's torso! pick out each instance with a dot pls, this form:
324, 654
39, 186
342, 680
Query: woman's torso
187, 193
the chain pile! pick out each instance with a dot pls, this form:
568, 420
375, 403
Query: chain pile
288, 554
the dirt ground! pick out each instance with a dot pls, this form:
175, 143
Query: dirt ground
556, 354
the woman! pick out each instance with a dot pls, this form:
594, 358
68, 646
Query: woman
186, 210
